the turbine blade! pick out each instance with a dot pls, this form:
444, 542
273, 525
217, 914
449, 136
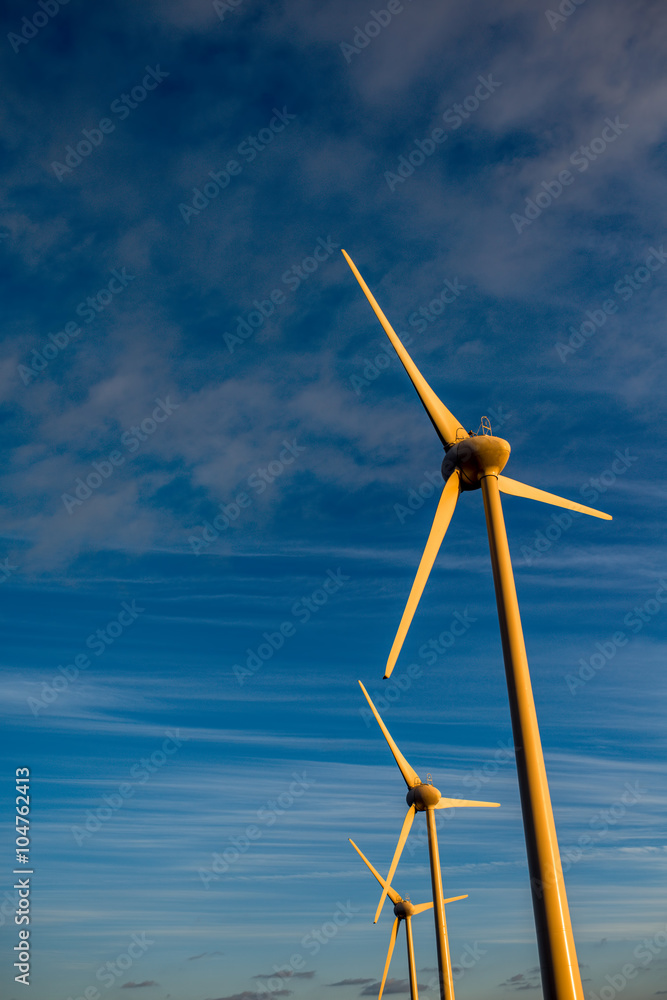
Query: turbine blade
409, 774
405, 830
447, 427
446, 803
428, 906
392, 942
393, 895
516, 489
425, 906
443, 516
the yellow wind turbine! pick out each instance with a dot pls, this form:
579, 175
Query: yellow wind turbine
474, 461
423, 797
403, 910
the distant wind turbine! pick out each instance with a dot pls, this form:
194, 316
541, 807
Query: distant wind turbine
403, 910
474, 461
423, 797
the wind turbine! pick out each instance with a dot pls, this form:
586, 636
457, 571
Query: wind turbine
424, 797
403, 910
472, 462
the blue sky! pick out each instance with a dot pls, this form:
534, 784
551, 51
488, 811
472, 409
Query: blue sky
202, 426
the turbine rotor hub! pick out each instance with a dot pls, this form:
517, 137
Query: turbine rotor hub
403, 909
423, 797
475, 457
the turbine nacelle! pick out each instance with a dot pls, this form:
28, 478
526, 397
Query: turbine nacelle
404, 908
423, 797
475, 457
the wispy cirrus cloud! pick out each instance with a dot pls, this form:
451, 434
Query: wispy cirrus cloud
391, 986
251, 995
351, 982
529, 980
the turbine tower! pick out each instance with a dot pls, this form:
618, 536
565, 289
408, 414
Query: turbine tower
403, 910
424, 797
472, 462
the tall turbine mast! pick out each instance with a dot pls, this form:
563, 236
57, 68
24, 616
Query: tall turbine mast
424, 797
473, 462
